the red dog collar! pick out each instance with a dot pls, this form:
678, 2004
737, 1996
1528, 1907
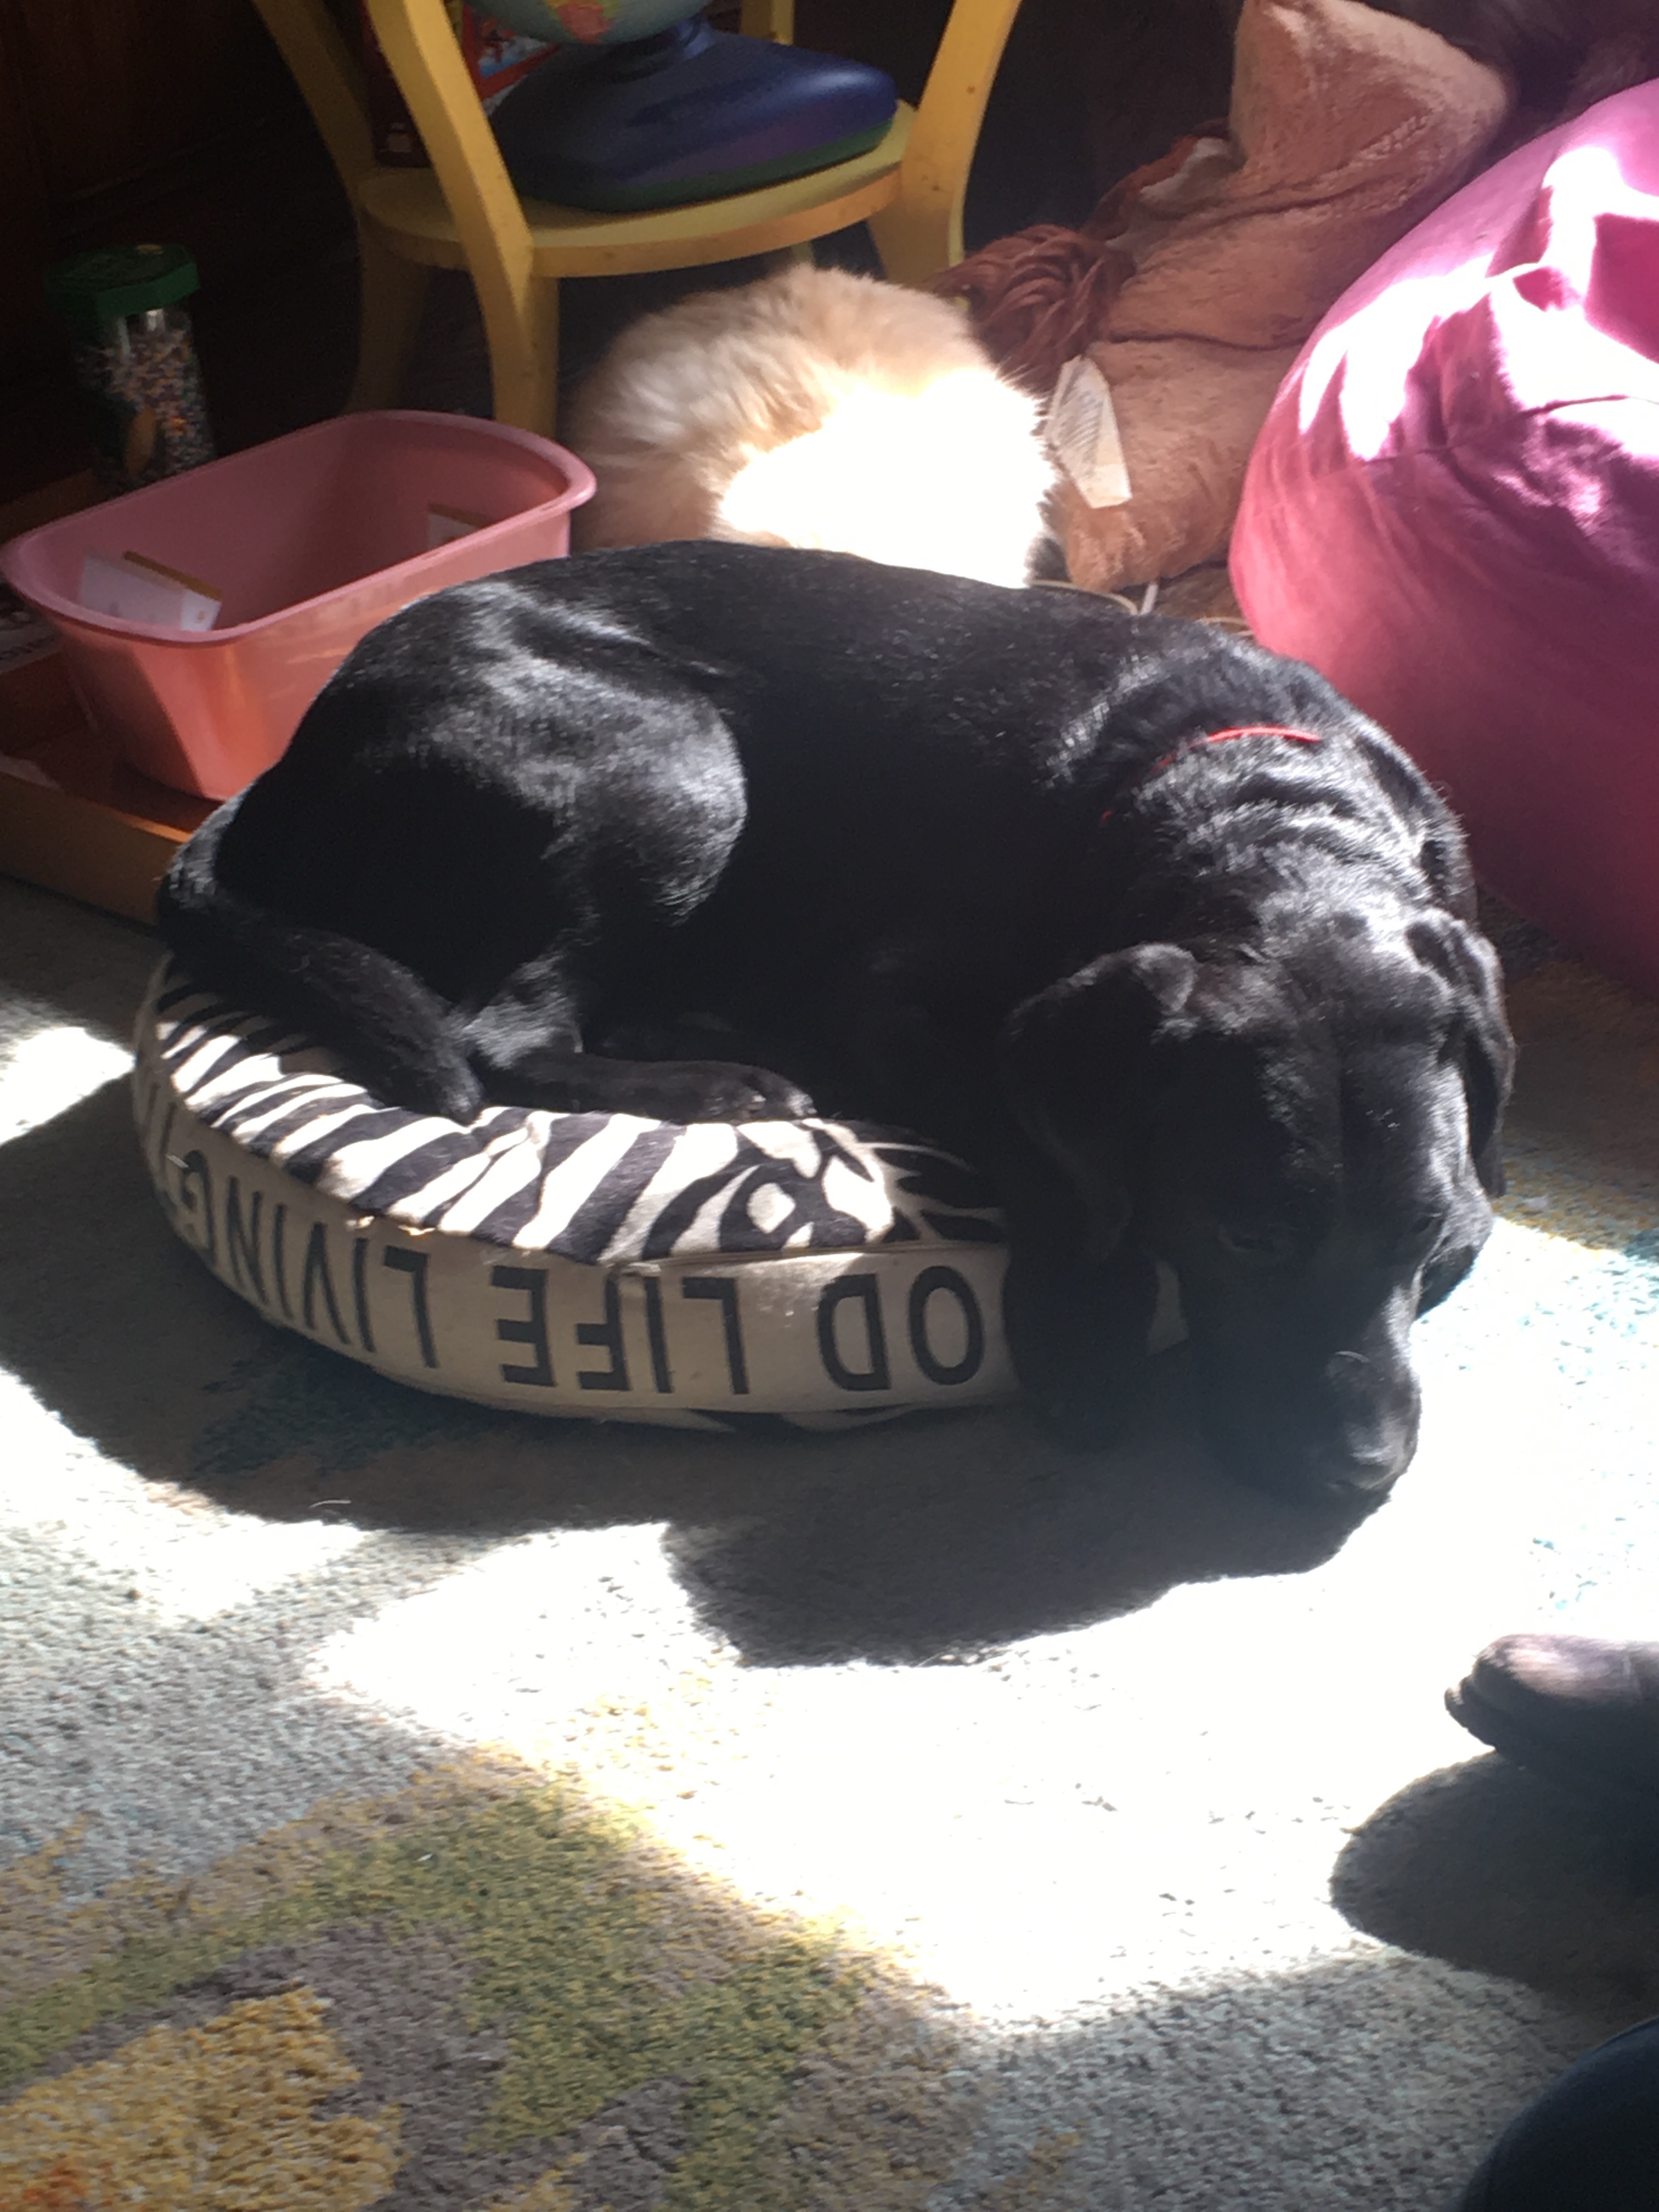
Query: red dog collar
1255, 730
1225, 738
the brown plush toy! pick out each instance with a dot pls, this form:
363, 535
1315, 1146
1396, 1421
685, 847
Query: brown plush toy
1195, 284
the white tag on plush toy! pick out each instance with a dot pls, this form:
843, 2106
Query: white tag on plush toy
1083, 432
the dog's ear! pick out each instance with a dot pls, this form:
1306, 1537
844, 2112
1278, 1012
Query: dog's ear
1074, 1058
1462, 956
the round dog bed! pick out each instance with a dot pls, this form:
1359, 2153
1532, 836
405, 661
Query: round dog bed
1453, 513
598, 1265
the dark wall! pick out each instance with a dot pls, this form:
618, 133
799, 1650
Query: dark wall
1089, 90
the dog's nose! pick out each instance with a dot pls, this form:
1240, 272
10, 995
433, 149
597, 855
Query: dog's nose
1375, 1402
1350, 1475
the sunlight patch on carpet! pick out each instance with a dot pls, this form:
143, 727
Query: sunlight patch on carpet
180, 1557
49, 1070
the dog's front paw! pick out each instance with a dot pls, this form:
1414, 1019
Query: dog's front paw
1076, 1334
719, 1090
1089, 1419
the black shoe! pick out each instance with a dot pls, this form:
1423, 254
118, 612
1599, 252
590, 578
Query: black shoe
1582, 1712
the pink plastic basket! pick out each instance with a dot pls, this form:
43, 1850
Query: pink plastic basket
308, 541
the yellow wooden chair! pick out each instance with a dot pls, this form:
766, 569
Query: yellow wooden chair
462, 212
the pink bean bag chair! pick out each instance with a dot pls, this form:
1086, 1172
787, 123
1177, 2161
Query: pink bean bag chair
1453, 513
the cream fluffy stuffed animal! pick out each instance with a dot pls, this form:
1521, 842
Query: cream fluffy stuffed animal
815, 407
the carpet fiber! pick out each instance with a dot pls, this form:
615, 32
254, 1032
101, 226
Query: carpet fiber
403, 1804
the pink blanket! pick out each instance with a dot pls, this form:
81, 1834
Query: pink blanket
1346, 125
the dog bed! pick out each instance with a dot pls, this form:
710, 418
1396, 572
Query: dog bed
597, 1264
1453, 513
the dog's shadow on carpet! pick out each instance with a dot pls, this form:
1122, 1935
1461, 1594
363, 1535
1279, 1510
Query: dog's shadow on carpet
1489, 1867
927, 1539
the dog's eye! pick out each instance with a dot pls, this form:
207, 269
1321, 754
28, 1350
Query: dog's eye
1263, 1242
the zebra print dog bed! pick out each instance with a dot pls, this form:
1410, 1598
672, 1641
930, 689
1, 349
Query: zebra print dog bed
589, 1264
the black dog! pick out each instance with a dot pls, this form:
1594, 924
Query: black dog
972, 859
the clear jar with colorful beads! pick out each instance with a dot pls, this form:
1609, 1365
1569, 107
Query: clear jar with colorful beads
135, 360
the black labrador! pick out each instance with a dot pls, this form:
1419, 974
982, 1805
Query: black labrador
1147, 921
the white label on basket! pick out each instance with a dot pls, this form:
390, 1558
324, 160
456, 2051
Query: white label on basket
1083, 432
26, 771
446, 523
137, 589
24, 635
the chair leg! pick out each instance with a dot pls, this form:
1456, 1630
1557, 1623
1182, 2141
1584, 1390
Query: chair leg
389, 316
769, 19
524, 356
918, 234
917, 242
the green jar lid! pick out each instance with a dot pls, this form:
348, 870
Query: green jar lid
100, 288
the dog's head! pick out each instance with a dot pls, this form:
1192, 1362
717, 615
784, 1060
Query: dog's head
1308, 1145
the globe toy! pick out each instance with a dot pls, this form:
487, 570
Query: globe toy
593, 22
648, 106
